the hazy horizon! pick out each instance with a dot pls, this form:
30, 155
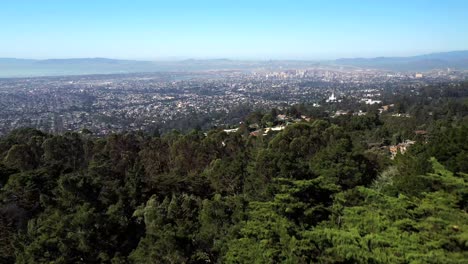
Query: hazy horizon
163, 59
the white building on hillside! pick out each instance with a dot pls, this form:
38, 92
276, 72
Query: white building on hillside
332, 98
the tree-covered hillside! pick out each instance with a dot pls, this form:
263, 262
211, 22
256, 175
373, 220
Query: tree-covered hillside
321, 191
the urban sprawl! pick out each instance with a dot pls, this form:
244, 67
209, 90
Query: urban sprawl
104, 104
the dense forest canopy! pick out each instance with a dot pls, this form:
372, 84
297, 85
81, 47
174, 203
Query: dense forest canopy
319, 191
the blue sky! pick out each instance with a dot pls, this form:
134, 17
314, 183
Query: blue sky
238, 29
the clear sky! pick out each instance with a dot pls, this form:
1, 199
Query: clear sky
237, 29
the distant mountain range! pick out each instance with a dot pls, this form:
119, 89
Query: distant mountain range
441, 60
12, 67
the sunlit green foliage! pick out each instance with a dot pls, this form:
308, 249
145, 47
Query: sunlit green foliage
324, 191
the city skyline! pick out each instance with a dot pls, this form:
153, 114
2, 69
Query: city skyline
147, 30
